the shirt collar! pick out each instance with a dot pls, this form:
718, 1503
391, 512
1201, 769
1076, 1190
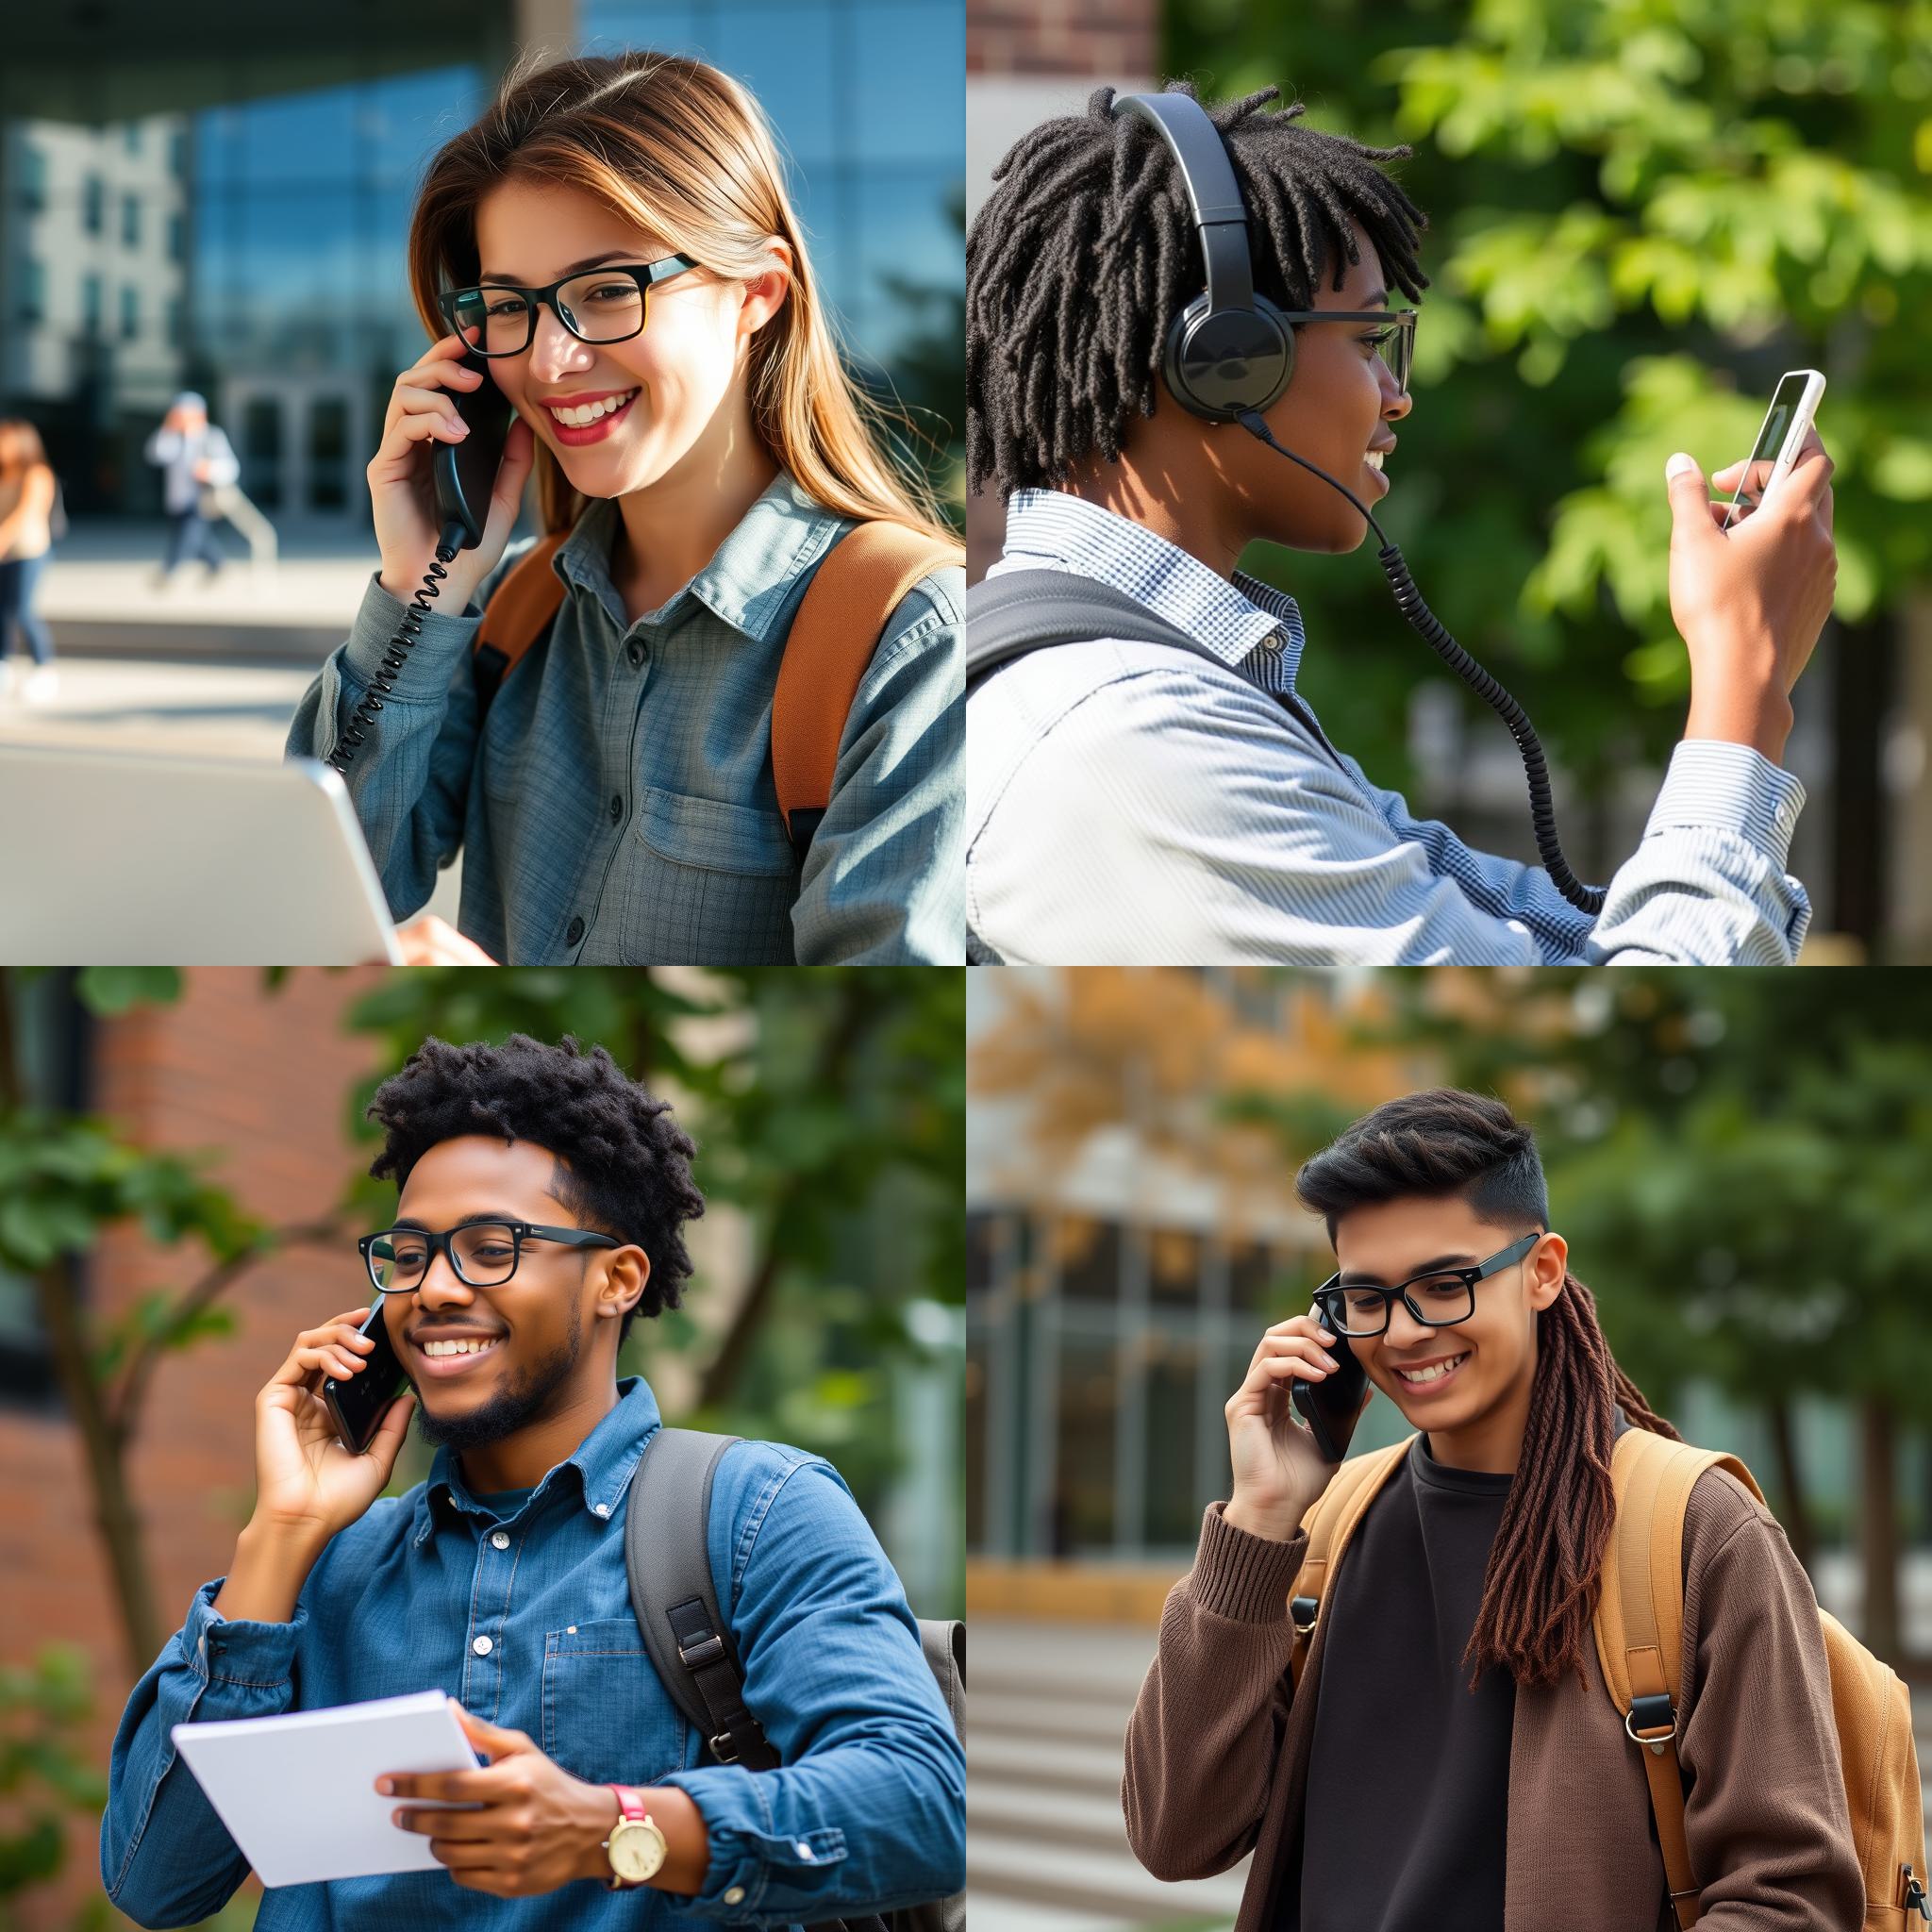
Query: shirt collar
1232, 620
753, 575
604, 1461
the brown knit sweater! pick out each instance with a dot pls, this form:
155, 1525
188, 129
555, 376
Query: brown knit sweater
1217, 1751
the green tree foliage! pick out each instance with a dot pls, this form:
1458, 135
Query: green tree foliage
1642, 212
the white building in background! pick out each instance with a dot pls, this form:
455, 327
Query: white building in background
95, 239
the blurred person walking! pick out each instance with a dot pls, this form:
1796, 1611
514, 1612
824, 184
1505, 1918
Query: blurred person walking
30, 521
197, 460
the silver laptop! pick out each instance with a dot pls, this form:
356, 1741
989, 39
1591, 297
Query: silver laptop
119, 858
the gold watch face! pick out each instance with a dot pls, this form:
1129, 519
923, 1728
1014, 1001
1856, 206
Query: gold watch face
637, 1848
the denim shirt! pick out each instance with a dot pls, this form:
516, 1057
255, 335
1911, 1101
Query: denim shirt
618, 804
868, 1813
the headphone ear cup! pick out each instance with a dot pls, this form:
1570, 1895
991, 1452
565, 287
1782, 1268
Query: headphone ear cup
1219, 364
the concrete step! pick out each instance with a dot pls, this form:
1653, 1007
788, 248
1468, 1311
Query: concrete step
1035, 1763
1089, 1819
1077, 1880
1097, 1720
991, 1911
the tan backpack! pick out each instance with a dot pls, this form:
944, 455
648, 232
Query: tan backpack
834, 632
1640, 1644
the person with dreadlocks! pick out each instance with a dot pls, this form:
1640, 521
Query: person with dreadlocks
542, 1196
1451, 1759
1129, 802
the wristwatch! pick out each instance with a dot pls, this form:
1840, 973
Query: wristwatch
636, 1846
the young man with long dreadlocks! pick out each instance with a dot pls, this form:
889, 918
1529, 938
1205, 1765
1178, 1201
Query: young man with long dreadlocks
1129, 802
1450, 1759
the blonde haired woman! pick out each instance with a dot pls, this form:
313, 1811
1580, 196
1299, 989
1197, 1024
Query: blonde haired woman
26, 539
615, 801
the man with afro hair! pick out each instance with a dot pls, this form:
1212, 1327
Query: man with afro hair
541, 1201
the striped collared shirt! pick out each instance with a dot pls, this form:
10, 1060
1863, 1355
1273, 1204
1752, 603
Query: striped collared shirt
1130, 803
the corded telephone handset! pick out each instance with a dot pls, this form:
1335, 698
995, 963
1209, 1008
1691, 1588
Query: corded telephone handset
464, 474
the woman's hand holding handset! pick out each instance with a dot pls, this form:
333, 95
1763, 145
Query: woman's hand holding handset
403, 495
1278, 1473
1750, 603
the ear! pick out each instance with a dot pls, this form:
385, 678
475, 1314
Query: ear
765, 293
628, 1275
1548, 1264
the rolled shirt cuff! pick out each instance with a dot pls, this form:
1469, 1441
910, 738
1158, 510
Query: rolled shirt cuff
755, 1871
443, 637
238, 1650
1714, 783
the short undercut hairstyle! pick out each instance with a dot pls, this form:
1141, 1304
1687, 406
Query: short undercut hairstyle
1432, 1145
1086, 250
622, 1162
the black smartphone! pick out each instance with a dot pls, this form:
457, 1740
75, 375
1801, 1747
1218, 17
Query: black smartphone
465, 472
359, 1401
1333, 1406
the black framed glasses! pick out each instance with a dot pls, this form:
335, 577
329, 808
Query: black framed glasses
1394, 341
1437, 1299
598, 305
484, 1254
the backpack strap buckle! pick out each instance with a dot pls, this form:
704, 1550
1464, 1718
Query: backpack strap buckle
1651, 1722
708, 1650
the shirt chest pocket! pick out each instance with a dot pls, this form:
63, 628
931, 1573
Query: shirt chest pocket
714, 885
606, 1719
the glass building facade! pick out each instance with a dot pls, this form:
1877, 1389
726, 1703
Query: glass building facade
253, 248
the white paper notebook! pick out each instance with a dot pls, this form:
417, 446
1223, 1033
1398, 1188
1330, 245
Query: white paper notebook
298, 1794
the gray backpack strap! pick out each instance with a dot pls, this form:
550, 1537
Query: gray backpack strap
667, 1555
1021, 610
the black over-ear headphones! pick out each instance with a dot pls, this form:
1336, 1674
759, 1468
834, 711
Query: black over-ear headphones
1229, 354
1229, 349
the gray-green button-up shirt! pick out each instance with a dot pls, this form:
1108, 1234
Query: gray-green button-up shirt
618, 804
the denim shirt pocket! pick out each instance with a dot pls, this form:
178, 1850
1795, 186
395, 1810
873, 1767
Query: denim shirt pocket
606, 1719
716, 887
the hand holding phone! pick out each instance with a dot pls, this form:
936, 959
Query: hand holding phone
307, 1475
1750, 600
472, 473
1279, 1469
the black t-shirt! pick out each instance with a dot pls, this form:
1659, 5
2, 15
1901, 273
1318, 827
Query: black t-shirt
1408, 1777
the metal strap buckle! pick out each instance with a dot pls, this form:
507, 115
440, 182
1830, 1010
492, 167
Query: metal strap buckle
1654, 1741
720, 1748
708, 1652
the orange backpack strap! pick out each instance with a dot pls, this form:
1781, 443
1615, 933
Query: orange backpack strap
1640, 1622
833, 636
1330, 1522
526, 598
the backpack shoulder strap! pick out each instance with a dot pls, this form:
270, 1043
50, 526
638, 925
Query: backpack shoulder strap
1023, 611
667, 1557
1330, 1524
520, 610
834, 632
1640, 1621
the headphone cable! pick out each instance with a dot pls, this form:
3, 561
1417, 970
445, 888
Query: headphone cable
1542, 811
452, 539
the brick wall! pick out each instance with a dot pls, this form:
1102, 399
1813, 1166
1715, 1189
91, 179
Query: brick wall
261, 1079
1061, 36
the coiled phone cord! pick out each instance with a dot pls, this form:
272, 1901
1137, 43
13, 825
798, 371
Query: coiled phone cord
357, 729
1542, 811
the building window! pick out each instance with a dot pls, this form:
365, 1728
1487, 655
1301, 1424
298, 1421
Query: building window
178, 152
178, 237
130, 137
31, 305
90, 305
33, 179
177, 323
130, 220
93, 199
130, 312
49, 1034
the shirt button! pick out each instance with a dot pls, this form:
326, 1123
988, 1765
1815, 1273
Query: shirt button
616, 807
802, 1850
637, 653
574, 933
735, 1896
599, 1509
501, 1539
481, 1646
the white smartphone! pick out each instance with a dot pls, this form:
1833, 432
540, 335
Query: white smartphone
1785, 425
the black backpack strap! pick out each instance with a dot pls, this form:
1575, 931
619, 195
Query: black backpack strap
1021, 610
667, 1556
